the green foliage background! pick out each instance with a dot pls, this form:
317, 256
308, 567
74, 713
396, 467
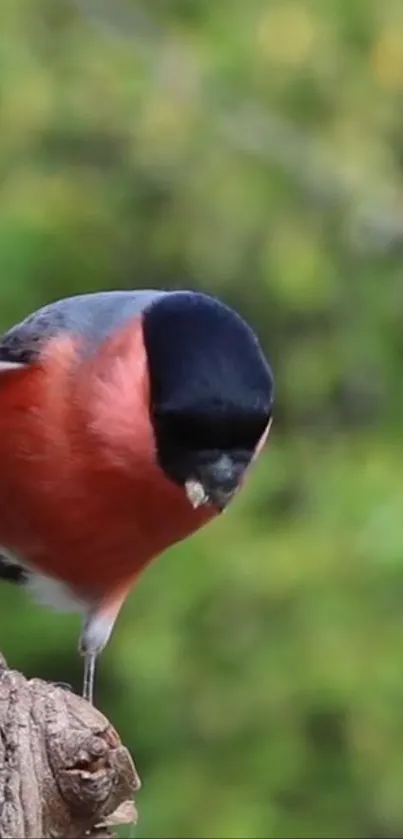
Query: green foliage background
254, 150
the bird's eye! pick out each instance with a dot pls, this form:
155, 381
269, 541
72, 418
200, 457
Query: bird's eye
191, 432
200, 432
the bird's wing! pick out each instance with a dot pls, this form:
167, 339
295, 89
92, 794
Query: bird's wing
92, 317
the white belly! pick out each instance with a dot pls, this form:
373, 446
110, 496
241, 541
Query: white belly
47, 591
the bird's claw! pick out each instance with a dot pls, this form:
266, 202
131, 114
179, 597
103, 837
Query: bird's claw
63, 686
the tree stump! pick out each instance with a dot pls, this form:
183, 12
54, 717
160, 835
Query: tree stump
64, 773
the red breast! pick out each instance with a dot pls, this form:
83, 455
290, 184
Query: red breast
82, 496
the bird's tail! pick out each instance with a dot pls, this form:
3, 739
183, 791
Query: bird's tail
11, 571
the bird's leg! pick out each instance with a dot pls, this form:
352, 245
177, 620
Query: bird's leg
95, 635
90, 660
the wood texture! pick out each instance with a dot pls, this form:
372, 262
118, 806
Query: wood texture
64, 772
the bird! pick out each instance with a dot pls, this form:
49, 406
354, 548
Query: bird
129, 419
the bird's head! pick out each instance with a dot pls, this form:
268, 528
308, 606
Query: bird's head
211, 394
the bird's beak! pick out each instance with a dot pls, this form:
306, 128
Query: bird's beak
195, 493
217, 483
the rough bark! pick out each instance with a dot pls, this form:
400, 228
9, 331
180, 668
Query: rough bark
63, 770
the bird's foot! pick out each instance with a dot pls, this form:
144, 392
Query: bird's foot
63, 686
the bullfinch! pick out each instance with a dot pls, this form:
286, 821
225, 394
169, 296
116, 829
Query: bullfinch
128, 420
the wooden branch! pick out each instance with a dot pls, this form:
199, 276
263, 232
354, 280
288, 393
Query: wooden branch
64, 773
